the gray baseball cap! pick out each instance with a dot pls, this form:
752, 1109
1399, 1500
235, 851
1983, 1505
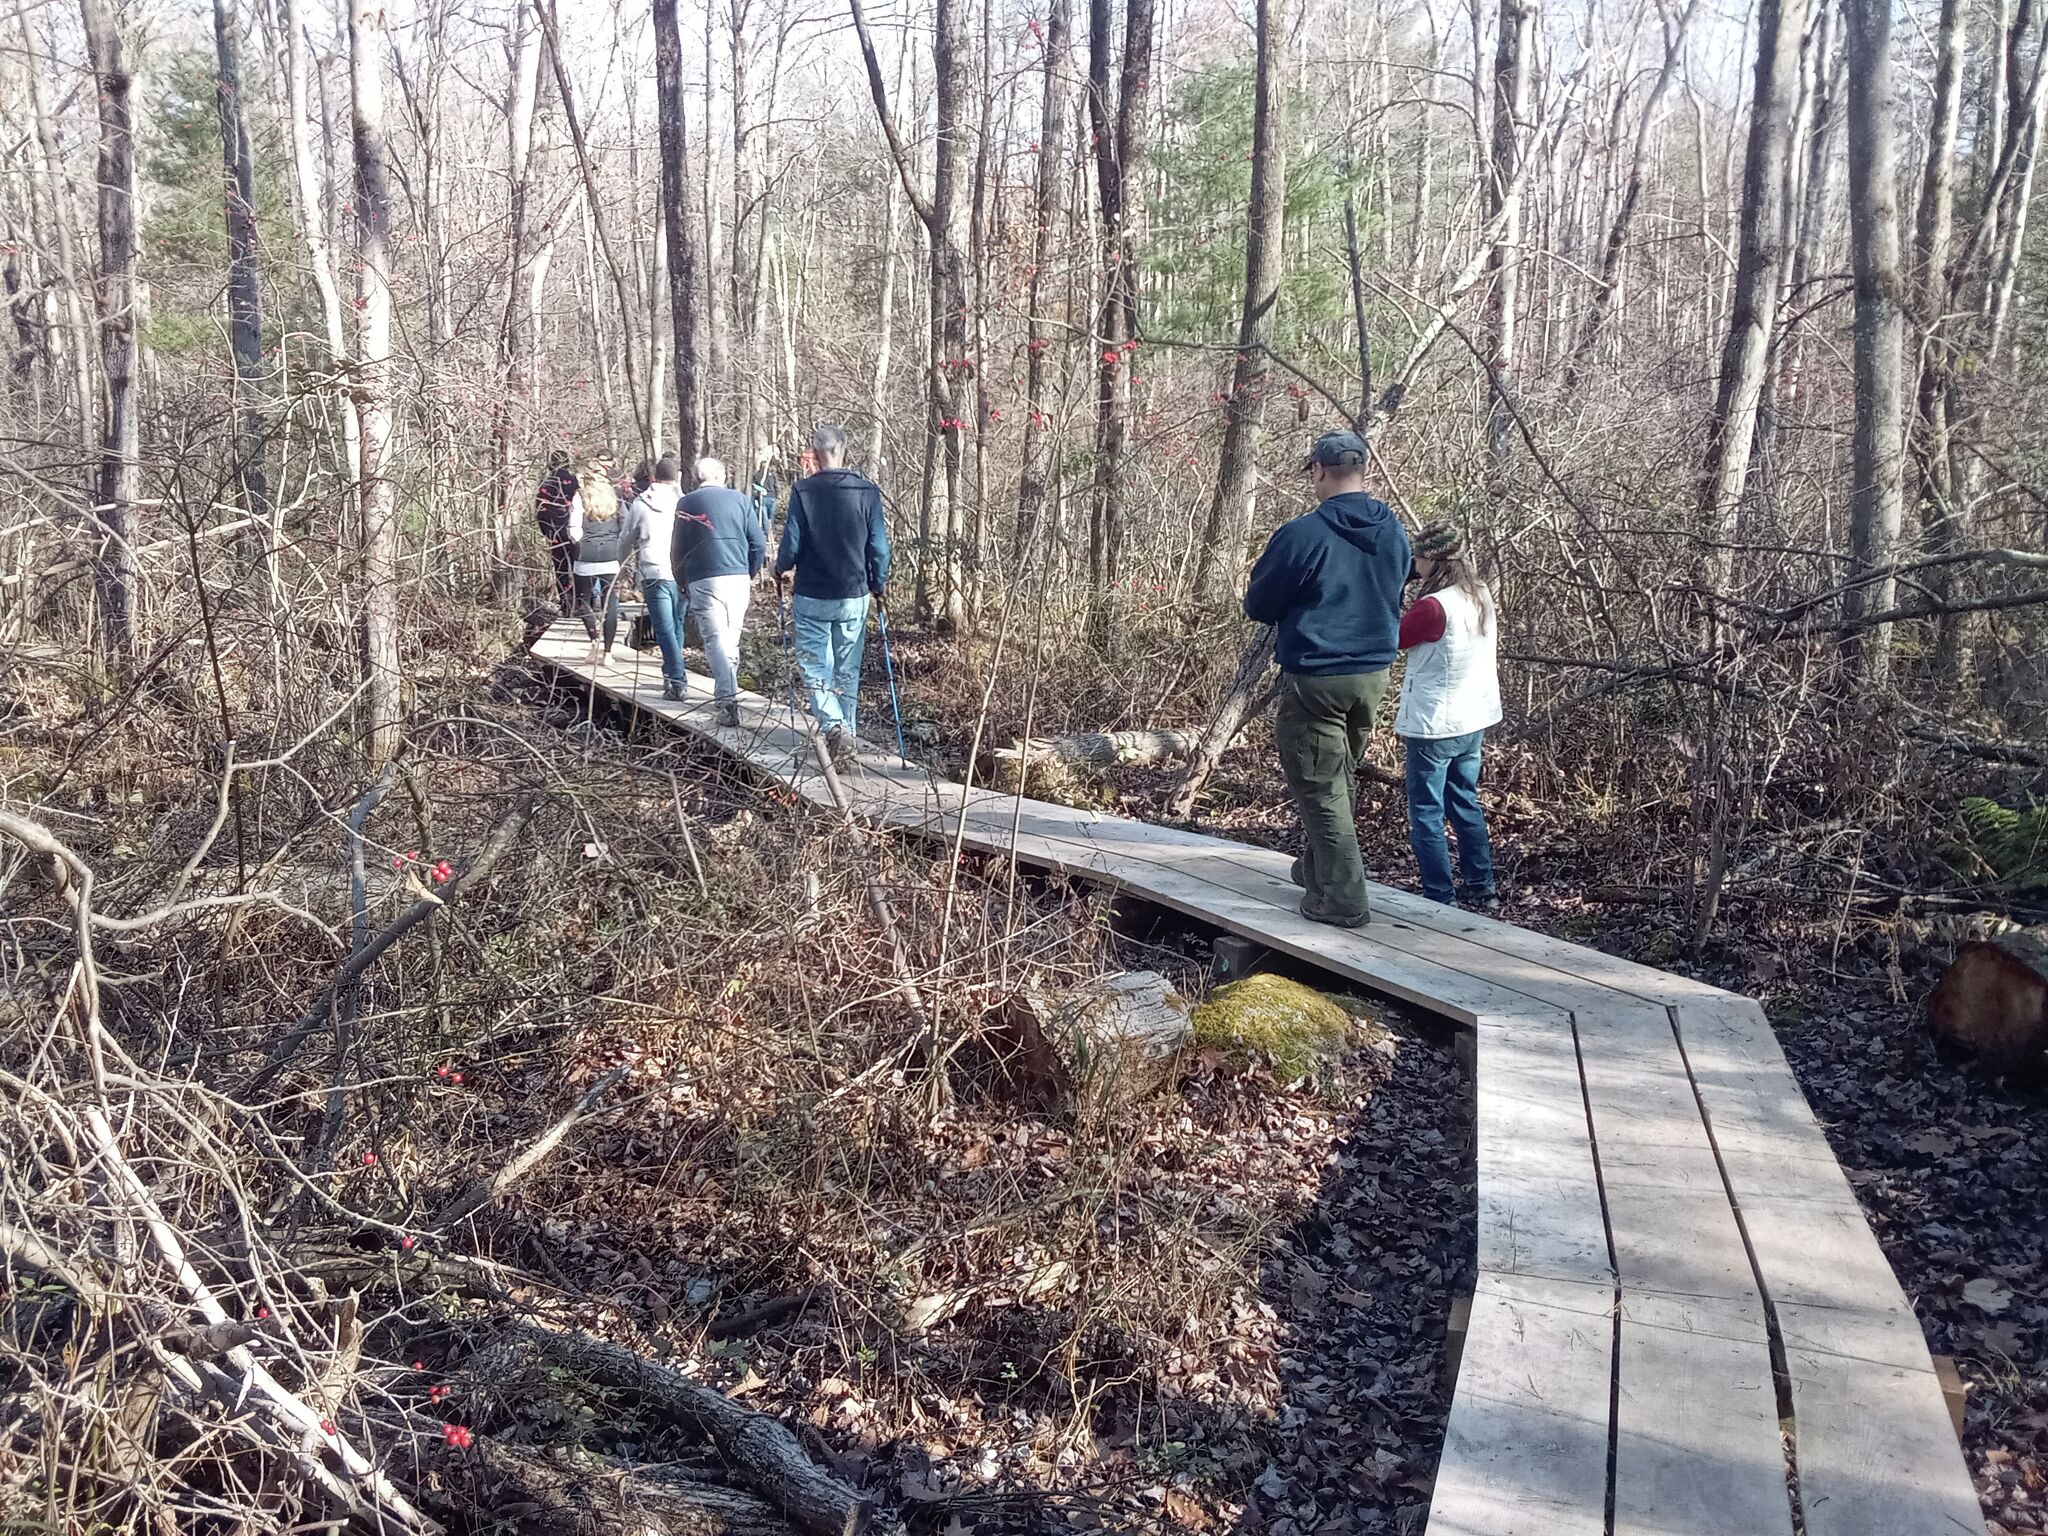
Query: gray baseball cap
1337, 450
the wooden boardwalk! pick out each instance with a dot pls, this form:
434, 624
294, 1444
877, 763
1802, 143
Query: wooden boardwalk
1681, 1324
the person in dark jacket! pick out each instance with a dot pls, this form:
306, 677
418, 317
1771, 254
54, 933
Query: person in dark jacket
1330, 584
835, 538
719, 551
551, 505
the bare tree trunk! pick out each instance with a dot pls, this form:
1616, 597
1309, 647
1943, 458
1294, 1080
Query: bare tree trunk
1745, 355
1119, 170
377, 496
1815, 194
1876, 490
566, 92
974, 576
1244, 698
1631, 197
949, 353
885, 343
682, 251
1048, 213
1511, 69
718, 389
245, 294
1933, 230
1234, 504
79, 344
512, 417
1998, 294
120, 319
601, 351
312, 218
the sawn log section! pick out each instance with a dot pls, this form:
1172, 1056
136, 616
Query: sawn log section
1681, 1324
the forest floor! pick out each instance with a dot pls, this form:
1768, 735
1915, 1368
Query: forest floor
1220, 1308
1949, 1160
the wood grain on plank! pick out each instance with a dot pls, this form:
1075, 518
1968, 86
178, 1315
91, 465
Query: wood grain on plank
1525, 1448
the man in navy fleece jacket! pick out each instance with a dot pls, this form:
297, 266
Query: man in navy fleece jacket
1330, 584
837, 541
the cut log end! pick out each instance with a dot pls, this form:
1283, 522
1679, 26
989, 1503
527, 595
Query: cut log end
1115, 1039
1992, 1001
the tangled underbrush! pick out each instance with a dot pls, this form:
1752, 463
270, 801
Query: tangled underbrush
309, 1080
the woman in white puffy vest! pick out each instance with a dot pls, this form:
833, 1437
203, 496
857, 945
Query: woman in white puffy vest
1450, 694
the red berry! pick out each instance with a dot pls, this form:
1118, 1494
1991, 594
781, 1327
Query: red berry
419, 1365
458, 1436
369, 1159
406, 1243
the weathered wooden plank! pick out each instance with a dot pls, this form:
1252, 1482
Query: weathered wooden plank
1875, 1447
1525, 1449
1697, 1447
1872, 1437
1539, 1197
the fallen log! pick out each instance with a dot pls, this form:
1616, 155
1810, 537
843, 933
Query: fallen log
1246, 696
584, 1494
761, 1450
1992, 1001
1103, 749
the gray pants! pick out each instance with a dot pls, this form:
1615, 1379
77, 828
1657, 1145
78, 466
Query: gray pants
719, 605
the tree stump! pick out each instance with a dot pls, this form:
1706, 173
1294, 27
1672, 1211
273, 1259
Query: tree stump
1993, 999
1112, 1040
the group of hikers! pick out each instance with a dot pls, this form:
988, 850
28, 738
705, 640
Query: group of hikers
1331, 583
701, 553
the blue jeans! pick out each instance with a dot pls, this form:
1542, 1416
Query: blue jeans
665, 611
1443, 780
831, 633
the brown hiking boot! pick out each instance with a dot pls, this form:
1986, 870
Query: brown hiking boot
1316, 912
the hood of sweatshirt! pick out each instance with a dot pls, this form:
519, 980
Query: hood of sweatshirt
1359, 519
663, 495
840, 476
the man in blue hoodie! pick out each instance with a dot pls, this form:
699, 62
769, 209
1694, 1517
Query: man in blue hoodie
1330, 584
835, 538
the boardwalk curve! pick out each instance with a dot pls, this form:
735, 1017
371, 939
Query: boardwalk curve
1681, 1324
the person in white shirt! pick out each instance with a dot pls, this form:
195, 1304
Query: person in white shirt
650, 535
1450, 694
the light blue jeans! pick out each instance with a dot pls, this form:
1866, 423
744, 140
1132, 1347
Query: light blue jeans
665, 610
831, 634
1443, 782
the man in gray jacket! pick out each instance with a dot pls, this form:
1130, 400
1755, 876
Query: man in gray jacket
650, 534
719, 550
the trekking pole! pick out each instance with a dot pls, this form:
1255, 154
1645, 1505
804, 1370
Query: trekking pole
889, 667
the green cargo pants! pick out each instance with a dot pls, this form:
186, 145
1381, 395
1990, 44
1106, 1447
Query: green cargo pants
1321, 731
